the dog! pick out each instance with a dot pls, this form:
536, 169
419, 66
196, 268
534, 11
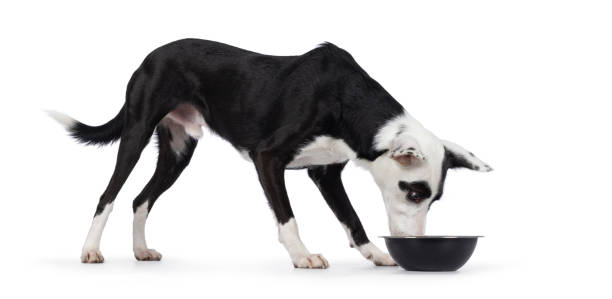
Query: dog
314, 111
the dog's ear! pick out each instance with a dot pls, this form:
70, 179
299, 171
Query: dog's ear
458, 157
406, 150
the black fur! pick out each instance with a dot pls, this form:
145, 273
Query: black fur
328, 179
99, 135
246, 97
266, 105
169, 167
451, 160
415, 191
446, 165
454, 160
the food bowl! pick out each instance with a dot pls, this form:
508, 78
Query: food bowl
431, 253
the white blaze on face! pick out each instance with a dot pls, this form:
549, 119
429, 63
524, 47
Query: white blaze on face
406, 217
412, 224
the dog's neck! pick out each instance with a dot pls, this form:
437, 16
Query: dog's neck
370, 125
371, 134
370, 116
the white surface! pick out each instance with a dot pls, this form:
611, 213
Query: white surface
525, 85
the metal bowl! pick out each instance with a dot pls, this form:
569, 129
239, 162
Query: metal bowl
431, 253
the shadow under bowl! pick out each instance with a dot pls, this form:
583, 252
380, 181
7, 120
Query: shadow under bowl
431, 253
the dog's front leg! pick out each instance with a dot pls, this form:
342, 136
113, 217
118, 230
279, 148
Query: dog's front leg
328, 180
271, 171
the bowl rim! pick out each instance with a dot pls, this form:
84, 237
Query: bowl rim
431, 237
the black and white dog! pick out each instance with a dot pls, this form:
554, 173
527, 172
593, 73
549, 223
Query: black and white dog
315, 111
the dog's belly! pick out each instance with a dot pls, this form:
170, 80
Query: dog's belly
185, 120
323, 150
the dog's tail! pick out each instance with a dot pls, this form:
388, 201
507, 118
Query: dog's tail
92, 135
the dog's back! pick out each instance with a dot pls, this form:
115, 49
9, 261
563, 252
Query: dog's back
245, 96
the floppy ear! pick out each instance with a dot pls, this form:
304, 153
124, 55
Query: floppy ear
460, 157
406, 150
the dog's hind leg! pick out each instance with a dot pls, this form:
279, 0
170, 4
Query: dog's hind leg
134, 138
176, 148
328, 180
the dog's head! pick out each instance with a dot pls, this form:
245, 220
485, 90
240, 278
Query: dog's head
412, 170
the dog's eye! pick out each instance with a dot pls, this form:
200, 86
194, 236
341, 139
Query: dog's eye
415, 191
416, 196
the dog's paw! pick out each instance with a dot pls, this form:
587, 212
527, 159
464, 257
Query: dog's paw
147, 254
313, 261
383, 259
377, 256
92, 256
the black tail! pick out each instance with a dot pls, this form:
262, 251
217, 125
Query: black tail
98, 135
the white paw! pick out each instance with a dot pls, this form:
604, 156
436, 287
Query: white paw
383, 260
146, 254
377, 256
92, 256
313, 261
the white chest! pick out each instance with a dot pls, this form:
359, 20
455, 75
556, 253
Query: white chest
322, 150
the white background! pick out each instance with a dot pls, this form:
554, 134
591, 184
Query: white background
523, 84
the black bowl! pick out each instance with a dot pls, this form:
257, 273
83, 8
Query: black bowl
431, 253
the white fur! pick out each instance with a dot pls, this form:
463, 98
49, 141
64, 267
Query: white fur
245, 155
322, 150
300, 256
404, 135
385, 138
408, 220
140, 218
370, 251
65, 120
141, 251
399, 135
91, 248
374, 254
